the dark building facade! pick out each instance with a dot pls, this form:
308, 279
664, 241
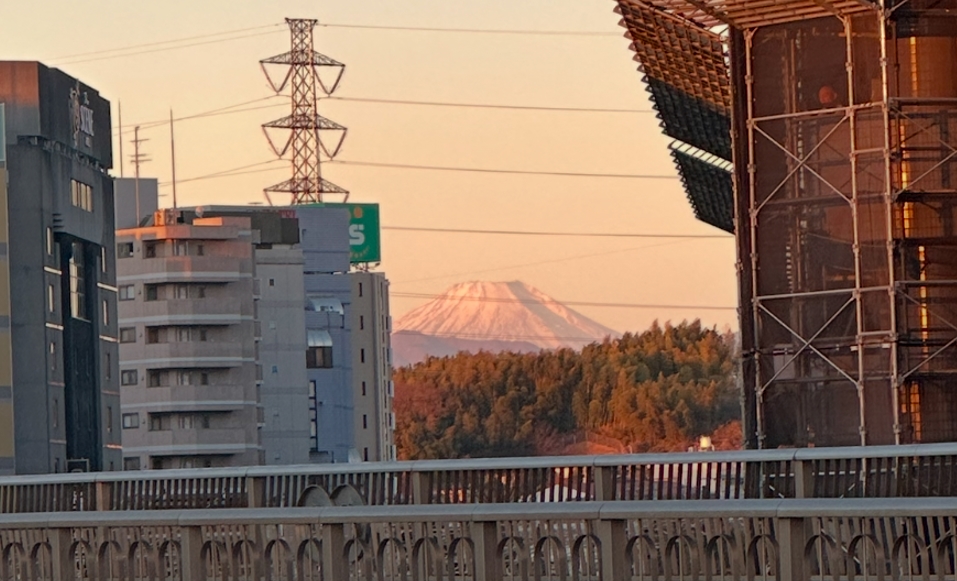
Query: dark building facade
59, 384
823, 133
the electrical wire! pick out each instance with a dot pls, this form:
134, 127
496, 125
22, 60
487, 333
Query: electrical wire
564, 234
538, 263
475, 30
501, 171
227, 110
162, 49
562, 303
162, 42
488, 105
228, 173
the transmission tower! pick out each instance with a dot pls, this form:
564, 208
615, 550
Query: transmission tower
305, 125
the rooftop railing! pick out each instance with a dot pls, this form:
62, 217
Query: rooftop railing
858, 472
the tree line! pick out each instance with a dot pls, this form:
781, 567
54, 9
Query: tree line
655, 391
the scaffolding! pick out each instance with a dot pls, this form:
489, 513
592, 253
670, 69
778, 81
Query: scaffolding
844, 125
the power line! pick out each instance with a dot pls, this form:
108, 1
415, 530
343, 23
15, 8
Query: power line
567, 234
500, 336
564, 303
227, 110
491, 106
228, 173
538, 263
476, 30
162, 49
162, 42
502, 171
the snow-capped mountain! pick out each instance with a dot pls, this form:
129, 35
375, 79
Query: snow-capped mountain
494, 316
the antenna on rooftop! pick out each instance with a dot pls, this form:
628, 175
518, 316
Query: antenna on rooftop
137, 158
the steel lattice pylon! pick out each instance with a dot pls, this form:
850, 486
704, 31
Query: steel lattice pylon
306, 126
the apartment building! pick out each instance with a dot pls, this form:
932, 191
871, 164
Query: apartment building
374, 419
188, 332
59, 395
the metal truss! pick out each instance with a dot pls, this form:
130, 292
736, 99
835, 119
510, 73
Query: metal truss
304, 144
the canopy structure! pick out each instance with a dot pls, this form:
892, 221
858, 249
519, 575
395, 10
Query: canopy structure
686, 73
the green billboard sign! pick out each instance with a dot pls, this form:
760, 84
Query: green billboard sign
364, 240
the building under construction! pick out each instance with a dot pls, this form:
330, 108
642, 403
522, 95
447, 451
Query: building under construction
823, 133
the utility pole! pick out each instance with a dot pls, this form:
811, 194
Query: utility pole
119, 109
137, 159
304, 123
172, 151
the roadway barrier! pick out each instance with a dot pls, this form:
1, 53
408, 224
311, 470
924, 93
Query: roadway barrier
856, 472
785, 540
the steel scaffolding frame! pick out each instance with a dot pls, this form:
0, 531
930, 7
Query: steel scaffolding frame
871, 359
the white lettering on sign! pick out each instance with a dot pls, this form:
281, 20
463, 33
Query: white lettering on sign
81, 116
357, 235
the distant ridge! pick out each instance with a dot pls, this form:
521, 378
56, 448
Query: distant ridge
491, 316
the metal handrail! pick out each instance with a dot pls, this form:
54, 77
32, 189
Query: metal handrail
777, 455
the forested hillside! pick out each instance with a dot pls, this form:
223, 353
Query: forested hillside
655, 391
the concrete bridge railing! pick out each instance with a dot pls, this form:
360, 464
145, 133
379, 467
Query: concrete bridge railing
856, 472
789, 540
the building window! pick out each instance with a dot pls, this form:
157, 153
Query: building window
201, 292
50, 242
319, 358
106, 313
151, 293
272, 282
131, 463
81, 195
109, 419
155, 378
363, 388
124, 250
313, 416
51, 299
362, 355
128, 377
362, 322
103, 261
131, 421
360, 289
128, 335
203, 335
109, 366
78, 283
52, 355
156, 423
365, 454
127, 292
149, 250
180, 248
186, 422
365, 422
204, 378
200, 250
56, 413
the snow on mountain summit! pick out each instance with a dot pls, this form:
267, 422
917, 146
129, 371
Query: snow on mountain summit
502, 312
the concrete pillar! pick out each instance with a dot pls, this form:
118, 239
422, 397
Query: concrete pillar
488, 566
614, 542
256, 492
792, 537
334, 561
605, 483
191, 554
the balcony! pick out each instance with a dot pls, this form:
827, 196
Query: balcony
193, 355
210, 269
189, 398
197, 441
183, 312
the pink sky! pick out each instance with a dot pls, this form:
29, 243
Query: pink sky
515, 69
